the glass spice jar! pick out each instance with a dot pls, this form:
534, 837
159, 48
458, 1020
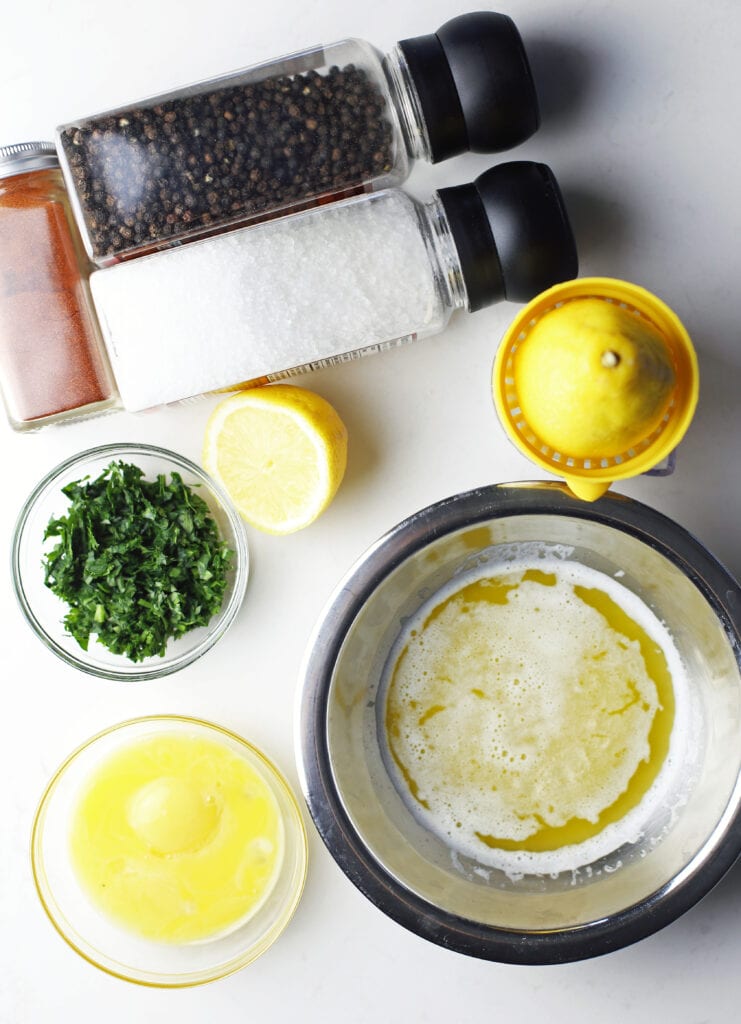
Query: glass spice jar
328, 284
52, 362
315, 126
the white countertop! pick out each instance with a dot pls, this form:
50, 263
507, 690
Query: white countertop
640, 105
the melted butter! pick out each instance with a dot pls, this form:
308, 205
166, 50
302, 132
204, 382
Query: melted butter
530, 710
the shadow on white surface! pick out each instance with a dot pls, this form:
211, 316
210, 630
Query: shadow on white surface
711, 454
566, 78
601, 224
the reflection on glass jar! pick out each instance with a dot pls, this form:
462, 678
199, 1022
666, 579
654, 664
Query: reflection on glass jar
51, 361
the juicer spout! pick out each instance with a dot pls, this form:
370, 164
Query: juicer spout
587, 490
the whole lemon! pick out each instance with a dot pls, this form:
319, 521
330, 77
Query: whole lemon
593, 378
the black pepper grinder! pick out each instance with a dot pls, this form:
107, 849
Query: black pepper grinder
315, 126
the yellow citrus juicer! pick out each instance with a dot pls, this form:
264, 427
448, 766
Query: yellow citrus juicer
596, 380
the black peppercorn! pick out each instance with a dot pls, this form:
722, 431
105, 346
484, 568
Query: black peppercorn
150, 172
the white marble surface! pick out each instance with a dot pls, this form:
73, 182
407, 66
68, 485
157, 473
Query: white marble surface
640, 124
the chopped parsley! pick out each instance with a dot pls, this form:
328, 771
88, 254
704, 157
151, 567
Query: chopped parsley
138, 561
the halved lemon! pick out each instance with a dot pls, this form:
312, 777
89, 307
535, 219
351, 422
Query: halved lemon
280, 451
593, 379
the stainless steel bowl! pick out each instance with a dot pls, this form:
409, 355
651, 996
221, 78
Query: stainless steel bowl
411, 874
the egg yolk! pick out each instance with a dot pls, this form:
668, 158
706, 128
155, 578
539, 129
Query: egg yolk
177, 838
171, 816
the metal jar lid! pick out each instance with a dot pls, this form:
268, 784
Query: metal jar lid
27, 156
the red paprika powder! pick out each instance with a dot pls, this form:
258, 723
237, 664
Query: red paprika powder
52, 364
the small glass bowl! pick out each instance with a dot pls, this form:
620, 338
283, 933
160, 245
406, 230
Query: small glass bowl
45, 611
118, 951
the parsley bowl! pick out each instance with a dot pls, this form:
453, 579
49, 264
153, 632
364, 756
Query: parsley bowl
126, 576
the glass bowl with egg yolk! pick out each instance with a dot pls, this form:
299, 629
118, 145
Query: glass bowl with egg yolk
169, 851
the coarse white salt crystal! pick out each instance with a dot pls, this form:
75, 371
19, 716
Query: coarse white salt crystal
267, 298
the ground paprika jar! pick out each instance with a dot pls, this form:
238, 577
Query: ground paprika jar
52, 361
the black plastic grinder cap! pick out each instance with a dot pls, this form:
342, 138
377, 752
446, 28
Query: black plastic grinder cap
512, 233
474, 85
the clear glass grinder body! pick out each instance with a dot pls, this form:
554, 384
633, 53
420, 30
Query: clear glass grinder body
296, 293
328, 284
315, 126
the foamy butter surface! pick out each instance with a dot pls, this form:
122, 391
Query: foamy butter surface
533, 716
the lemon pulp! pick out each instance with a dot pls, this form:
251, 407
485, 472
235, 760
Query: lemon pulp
593, 378
177, 838
527, 712
280, 451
